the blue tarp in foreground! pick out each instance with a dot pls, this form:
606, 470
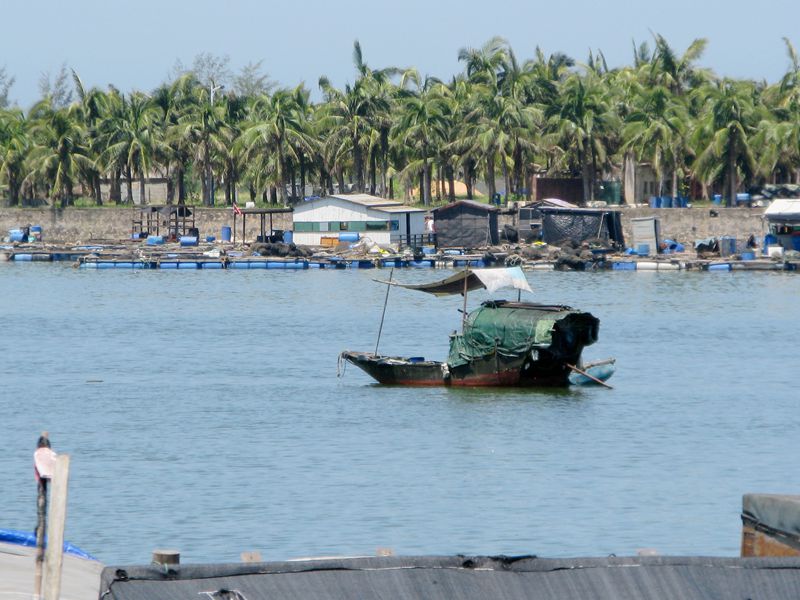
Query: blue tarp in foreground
28, 538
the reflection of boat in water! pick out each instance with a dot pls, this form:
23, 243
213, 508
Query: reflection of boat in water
502, 343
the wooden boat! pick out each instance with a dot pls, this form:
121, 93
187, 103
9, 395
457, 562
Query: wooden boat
502, 343
596, 372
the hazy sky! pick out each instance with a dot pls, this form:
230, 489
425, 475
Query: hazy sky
134, 44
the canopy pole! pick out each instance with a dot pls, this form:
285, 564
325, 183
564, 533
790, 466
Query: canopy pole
464, 312
383, 315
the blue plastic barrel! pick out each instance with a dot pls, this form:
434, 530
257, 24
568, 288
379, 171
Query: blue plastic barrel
796, 242
666, 201
655, 202
748, 255
15, 235
155, 240
643, 249
288, 236
225, 233
720, 267
188, 240
210, 238
348, 236
717, 199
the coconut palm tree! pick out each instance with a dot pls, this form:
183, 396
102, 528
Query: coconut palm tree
133, 142
723, 135
14, 149
579, 123
655, 131
60, 151
274, 131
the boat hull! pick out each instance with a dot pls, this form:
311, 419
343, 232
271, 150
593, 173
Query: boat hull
490, 372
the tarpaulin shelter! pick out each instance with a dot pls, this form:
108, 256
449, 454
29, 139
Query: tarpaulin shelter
466, 224
579, 225
464, 578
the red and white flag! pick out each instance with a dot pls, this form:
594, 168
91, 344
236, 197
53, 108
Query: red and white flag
236, 209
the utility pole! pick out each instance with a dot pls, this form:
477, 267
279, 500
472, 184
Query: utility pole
44, 461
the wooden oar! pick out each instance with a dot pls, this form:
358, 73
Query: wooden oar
592, 377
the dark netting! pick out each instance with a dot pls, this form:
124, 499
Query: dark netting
577, 226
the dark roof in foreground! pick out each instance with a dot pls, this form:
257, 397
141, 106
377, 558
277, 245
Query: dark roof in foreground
464, 578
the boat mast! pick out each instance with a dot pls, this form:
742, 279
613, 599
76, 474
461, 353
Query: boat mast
383, 314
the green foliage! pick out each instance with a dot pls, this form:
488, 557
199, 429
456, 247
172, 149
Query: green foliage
213, 134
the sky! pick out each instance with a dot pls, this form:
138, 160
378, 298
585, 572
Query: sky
135, 44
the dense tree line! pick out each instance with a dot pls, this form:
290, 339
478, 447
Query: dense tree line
392, 130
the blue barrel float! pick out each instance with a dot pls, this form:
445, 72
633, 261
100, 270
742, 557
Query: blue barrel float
348, 236
225, 233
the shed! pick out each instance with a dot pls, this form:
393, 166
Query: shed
464, 578
580, 225
783, 221
466, 224
352, 216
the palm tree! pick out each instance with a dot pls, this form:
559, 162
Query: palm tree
655, 130
202, 127
60, 150
723, 134
14, 148
133, 142
94, 112
579, 122
272, 135
421, 128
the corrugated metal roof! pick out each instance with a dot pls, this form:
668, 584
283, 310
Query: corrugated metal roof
400, 209
465, 578
366, 200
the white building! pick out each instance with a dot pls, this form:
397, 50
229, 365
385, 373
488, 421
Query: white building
348, 217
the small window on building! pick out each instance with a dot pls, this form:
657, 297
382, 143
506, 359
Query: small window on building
342, 225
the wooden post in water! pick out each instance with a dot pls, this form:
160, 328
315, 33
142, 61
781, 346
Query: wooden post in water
43, 468
54, 556
41, 523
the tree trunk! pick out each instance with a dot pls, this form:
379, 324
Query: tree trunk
731, 196
273, 194
252, 189
586, 168
115, 187
96, 192
128, 185
373, 173
358, 166
302, 176
181, 176
142, 194
340, 179
451, 183
469, 170
490, 176
506, 181
13, 188
426, 183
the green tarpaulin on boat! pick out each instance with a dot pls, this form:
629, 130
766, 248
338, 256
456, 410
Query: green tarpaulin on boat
511, 329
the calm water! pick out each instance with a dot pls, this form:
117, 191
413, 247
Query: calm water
219, 424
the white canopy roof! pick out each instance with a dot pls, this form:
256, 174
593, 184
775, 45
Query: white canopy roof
783, 209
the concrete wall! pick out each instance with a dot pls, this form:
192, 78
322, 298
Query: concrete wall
686, 225
86, 224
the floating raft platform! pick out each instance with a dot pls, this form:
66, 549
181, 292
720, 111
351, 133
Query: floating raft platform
223, 257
